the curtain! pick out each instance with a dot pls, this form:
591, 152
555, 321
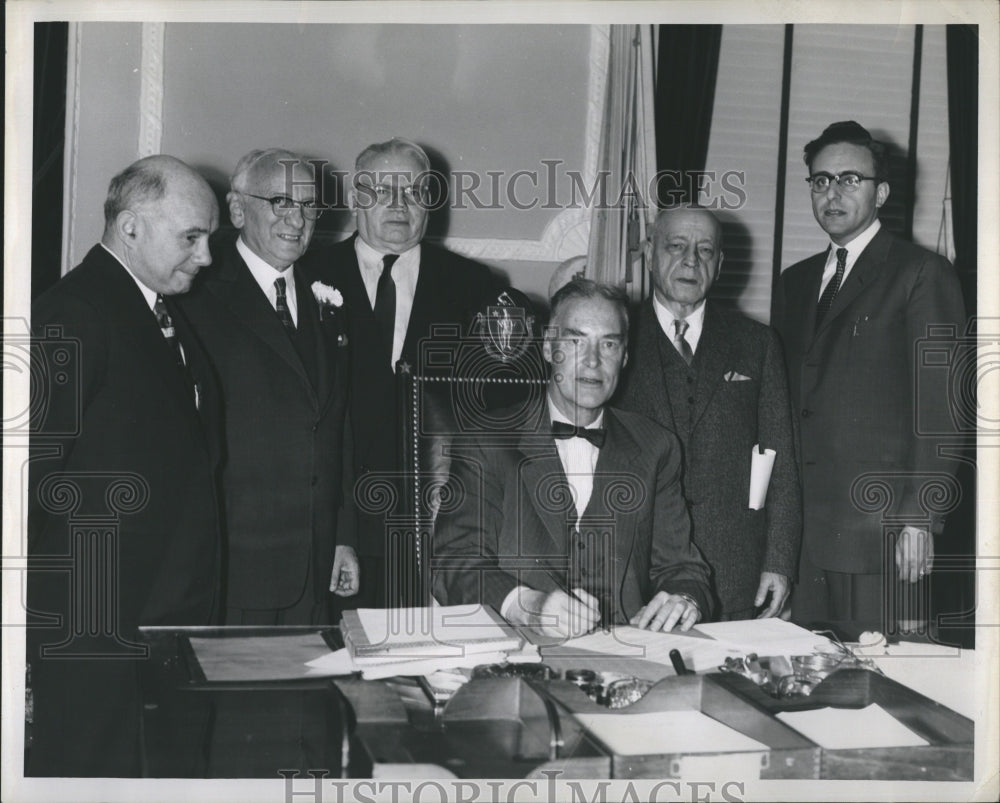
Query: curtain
625, 162
963, 133
687, 66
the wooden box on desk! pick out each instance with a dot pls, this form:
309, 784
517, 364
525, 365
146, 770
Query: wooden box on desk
491, 728
948, 755
788, 754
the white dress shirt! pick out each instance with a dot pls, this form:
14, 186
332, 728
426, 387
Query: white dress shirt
578, 457
404, 273
265, 275
854, 249
696, 322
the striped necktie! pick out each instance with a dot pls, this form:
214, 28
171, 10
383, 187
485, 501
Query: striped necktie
167, 328
682, 346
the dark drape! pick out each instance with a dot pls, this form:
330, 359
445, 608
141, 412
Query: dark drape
51, 42
963, 122
686, 69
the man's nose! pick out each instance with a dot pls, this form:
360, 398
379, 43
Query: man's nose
591, 355
295, 217
202, 256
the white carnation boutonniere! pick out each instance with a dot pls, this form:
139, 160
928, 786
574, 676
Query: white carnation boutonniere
330, 300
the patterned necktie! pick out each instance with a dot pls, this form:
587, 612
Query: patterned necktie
167, 328
832, 287
385, 301
682, 346
281, 304
562, 430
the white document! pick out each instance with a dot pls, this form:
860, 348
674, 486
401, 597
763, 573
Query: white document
851, 728
435, 628
699, 653
765, 636
761, 464
659, 732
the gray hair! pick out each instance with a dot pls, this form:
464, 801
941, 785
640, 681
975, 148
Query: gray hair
397, 146
581, 288
240, 179
139, 183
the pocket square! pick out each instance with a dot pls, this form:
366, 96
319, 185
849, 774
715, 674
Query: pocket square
735, 376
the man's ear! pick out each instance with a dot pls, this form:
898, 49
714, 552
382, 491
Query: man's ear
718, 268
127, 225
647, 253
881, 194
547, 349
235, 203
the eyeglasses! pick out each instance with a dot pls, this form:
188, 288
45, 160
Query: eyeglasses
281, 205
386, 193
849, 181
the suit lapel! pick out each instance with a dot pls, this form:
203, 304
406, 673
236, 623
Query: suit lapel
236, 289
541, 472
422, 312
711, 361
805, 305
321, 328
867, 269
649, 377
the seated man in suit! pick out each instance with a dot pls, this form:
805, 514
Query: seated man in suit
576, 517
717, 380
123, 520
276, 345
396, 287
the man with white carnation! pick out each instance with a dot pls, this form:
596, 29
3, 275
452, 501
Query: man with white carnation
276, 338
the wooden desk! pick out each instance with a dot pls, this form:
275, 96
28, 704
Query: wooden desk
518, 728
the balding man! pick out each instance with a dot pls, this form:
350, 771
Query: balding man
396, 289
717, 379
276, 341
122, 473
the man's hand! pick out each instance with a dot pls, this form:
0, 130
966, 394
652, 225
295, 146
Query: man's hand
775, 584
345, 579
664, 611
563, 615
914, 554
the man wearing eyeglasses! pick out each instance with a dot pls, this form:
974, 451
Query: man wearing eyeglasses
851, 318
278, 348
396, 288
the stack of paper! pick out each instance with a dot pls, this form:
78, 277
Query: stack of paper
764, 637
418, 641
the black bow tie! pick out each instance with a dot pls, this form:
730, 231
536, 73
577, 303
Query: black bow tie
563, 430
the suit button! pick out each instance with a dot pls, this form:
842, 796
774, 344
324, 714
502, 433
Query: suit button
806, 413
690, 399
315, 427
580, 545
690, 380
583, 572
315, 480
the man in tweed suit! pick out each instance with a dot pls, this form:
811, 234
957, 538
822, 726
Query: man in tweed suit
717, 379
571, 512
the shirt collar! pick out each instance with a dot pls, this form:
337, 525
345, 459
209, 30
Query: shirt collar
859, 243
371, 256
556, 415
696, 320
263, 273
149, 295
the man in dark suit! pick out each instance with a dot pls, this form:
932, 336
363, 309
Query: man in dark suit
396, 288
275, 341
576, 516
123, 524
851, 318
717, 379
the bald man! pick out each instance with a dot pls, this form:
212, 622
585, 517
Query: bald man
717, 379
276, 343
123, 469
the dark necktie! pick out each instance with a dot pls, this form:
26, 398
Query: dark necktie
166, 324
385, 302
167, 328
832, 287
281, 304
682, 346
563, 431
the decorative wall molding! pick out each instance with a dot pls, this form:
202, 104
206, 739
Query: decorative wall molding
72, 146
151, 89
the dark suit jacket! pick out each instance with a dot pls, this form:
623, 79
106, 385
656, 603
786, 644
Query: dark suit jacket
855, 391
450, 290
284, 436
729, 418
117, 422
507, 514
